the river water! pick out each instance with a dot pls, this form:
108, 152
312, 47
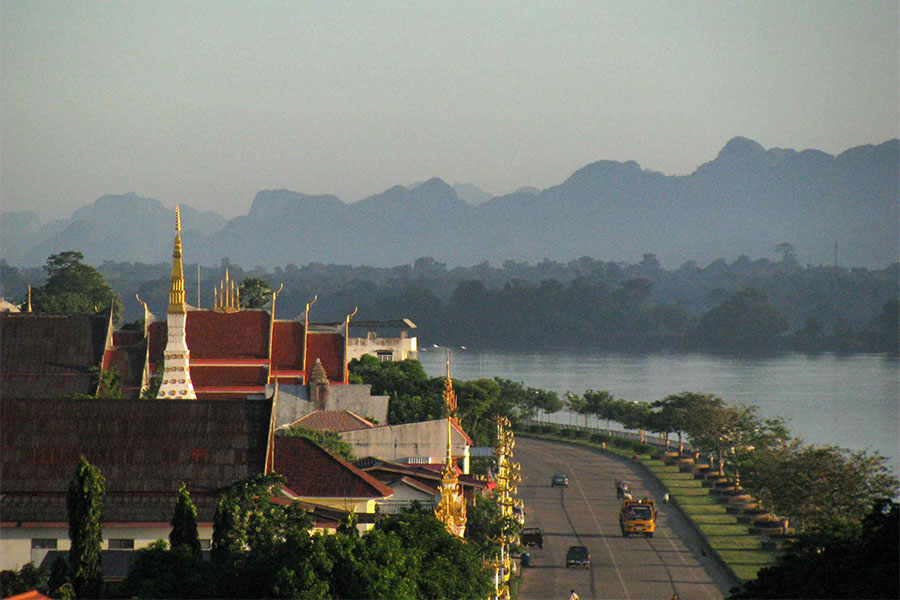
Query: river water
852, 401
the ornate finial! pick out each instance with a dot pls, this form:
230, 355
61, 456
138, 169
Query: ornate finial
176, 291
227, 298
449, 394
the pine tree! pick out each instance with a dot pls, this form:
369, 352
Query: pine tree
84, 504
184, 523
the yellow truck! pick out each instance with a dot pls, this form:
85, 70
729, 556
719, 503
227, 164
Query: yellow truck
638, 516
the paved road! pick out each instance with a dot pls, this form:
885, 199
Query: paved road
585, 514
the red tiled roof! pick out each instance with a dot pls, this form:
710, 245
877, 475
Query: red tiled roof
329, 348
45, 355
333, 420
313, 472
144, 448
218, 335
206, 376
287, 345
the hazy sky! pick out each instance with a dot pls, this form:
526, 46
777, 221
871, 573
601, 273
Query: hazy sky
207, 103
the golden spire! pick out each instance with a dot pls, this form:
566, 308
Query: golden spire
451, 509
176, 291
29, 297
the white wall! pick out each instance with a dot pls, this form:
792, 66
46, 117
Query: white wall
15, 542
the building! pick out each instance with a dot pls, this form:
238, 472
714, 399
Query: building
144, 448
367, 337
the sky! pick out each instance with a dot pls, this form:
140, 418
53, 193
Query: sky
207, 103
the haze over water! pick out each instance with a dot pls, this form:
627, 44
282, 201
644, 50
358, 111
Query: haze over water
852, 401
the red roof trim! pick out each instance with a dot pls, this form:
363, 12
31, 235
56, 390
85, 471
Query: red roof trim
229, 362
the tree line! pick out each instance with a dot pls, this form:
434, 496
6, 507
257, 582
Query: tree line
745, 306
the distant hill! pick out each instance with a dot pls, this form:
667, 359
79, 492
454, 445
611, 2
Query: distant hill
745, 201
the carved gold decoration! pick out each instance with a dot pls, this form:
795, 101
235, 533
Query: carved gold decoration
227, 298
451, 509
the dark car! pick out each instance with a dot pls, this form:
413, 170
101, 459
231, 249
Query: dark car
560, 479
578, 556
532, 536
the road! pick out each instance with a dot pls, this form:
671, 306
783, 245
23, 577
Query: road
585, 514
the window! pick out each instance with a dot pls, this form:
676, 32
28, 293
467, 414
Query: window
43, 544
385, 355
121, 544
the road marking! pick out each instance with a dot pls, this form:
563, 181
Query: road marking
603, 537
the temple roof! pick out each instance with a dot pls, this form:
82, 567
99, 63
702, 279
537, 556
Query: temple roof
239, 338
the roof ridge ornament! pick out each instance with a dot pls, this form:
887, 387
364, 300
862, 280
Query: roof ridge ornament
227, 298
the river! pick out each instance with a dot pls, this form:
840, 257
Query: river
852, 401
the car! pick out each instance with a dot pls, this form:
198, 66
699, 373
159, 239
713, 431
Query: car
532, 536
578, 556
560, 479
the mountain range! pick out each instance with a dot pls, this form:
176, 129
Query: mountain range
746, 201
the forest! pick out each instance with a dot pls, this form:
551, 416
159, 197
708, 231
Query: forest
744, 306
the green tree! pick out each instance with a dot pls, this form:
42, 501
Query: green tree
485, 526
711, 424
161, 572
255, 292
29, 577
746, 322
84, 504
671, 416
816, 486
74, 287
602, 404
859, 564
447, 566
184, 522
890, 320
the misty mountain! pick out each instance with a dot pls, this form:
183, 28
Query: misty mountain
471, 193
124, 228
745, 201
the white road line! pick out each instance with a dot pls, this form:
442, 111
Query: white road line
603, 537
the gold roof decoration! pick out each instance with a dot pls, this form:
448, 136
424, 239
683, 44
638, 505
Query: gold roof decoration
176, 289
227, 297
451, 509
